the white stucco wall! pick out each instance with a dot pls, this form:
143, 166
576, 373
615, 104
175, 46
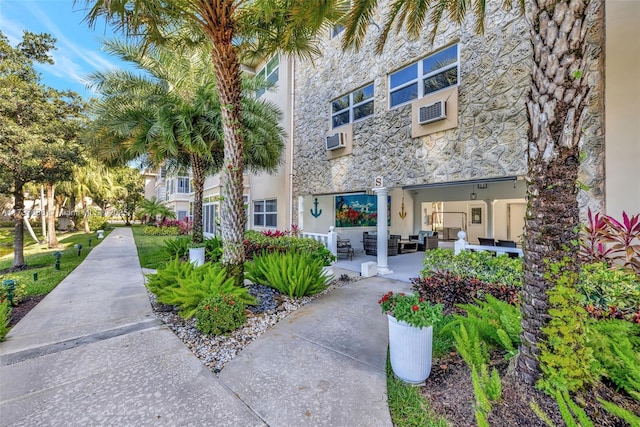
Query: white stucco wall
622, 107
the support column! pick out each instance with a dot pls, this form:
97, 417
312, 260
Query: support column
383, 237
490, 204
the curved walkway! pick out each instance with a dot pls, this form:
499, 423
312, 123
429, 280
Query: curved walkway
92, 353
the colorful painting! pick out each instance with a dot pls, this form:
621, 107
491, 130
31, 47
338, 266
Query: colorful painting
360, 210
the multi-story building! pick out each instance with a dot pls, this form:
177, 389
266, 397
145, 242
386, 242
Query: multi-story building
444, 128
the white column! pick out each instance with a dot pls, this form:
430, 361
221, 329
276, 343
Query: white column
490, 204
332, 241
383, 267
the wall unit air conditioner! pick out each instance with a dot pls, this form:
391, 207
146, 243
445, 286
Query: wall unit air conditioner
432, 112
335, 141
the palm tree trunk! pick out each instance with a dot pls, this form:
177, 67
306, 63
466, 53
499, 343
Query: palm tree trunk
85, 215
197, 167
51, 217
557, 100
18, 226
218, 15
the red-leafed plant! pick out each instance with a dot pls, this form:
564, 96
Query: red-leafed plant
606, 239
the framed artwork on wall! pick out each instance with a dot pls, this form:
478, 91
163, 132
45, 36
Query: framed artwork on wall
359, 210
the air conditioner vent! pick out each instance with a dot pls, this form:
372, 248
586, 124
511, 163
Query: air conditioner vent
336, 141
432, 112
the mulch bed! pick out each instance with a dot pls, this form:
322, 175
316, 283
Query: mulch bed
450, 393
25, 306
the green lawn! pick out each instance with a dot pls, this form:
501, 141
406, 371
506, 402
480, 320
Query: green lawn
150, 248
42, 261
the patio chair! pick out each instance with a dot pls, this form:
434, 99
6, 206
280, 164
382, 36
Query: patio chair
344, 248
426, 240
486, 241
508, 244
370, 243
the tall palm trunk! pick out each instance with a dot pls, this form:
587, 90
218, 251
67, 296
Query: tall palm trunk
52, 241
85, 215
221, 29
18, 226
556, 104
197, 167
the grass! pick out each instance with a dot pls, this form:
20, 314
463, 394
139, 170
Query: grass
6, 239
42, 261
407, 406
150, 248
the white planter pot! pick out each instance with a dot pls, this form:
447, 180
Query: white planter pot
196, 256
328, 271
410, 351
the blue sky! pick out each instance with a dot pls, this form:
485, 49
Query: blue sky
78, 50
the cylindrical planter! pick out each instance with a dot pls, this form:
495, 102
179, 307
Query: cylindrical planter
196, 256
410, 351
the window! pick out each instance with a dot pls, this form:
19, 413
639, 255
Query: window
181, 215
354, 106
269, 72
265, 213
421, 78
183, 184
209, 215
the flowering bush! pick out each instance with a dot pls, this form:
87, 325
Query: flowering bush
412, 309
219, 314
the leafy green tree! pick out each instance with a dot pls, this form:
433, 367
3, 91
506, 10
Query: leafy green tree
129, 192
37, 125
173, 116
559, 95
234, 28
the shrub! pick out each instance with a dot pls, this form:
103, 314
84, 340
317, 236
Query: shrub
256, 243
5, 316
478, 265
219, 314
19, 292
151, 230
177, 247
604, 238
293, 273
451, 290
497, 323
567, 363
185, 286
213, 249
605, 288
615, 345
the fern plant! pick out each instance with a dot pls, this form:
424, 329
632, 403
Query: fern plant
166, 278
497, 323
616, 347
293, 273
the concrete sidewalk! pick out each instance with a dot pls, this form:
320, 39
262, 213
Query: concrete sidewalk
92, 353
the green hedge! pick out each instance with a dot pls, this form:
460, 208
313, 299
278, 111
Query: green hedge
255, 243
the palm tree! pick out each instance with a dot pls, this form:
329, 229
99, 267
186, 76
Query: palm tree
152, 208
559, 94
173, 116
234, 28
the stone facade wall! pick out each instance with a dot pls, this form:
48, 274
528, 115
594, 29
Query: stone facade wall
491, 137
490, 140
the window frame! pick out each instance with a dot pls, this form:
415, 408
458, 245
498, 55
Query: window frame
263, 72
351, 107
183, 179
264, 214
420, 77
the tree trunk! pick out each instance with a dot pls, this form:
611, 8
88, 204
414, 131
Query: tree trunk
51, 217
556, 104
18, 226
85, 215
220, 26
197, 166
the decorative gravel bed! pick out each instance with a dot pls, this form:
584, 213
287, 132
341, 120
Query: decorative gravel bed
216, 351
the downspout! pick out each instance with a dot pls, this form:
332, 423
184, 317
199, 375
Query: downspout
291, 114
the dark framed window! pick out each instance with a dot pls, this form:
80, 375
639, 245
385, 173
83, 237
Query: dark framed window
352, 106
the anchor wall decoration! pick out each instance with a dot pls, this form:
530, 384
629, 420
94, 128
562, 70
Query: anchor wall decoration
317, 212
402, 213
